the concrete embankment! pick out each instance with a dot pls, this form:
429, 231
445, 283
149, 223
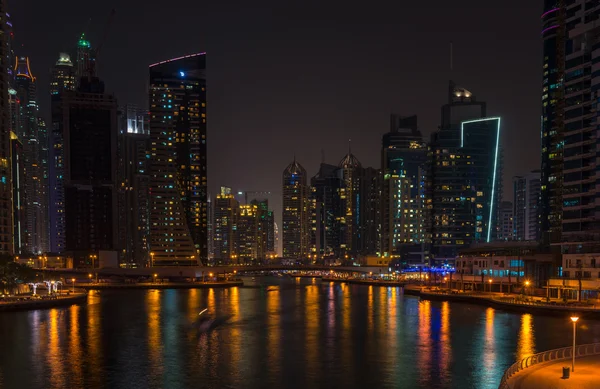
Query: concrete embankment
77, 298
161, 285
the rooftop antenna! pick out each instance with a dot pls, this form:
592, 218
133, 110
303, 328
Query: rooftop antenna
322, 155
349, 146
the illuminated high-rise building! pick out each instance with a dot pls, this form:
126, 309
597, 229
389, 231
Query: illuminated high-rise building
403, 160
465, 176
248, 233
554, 36
20, 237
85, 59
63, 75
133, 186
296, 213
6, 199
526, 195
178, 167
265, 235
350, 172
328, 214
34, 148
226, 210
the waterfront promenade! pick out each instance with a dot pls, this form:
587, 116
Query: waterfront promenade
59, 300
548, 375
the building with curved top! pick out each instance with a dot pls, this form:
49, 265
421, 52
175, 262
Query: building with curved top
296, 212
63, 75
178, 182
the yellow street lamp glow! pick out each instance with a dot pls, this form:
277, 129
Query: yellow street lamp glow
490, 281
574, 319
90, 275
527, 283
210, 274
235, 272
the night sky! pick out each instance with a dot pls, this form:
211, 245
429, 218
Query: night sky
302, 77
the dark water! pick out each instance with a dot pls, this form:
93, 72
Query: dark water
298, 334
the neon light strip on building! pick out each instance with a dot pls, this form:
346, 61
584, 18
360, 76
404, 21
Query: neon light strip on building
177, 59
462, 139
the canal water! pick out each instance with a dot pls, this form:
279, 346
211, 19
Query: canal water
288, 333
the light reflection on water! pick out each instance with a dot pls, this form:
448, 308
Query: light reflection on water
297, 333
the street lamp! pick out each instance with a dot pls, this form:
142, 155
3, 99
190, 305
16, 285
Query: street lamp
490, 281
73, 282
152, 259
90, 276
155, 275
574, 320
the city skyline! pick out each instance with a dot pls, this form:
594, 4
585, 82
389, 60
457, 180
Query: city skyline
325, 115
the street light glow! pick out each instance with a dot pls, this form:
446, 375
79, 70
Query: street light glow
574, 319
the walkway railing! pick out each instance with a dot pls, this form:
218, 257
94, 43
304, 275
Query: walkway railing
548, 356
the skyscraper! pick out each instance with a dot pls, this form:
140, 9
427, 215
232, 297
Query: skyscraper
526, 194
296, 213
85, 60
84, 168
266, 233
350, 172
465, 171
369, 219
505, 221
33, 158
63, 75
19, 201
554, 35
248, 233
328, 211
178, 186
403, 160
577, 105
226, 209
133, 186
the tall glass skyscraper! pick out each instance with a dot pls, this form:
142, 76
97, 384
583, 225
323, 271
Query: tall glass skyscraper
464, 188
554, 35
178, 182
403, 160
296, 213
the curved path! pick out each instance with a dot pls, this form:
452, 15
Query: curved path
548, 375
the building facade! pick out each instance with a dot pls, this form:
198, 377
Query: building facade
85, 170
506, 221
328, 211
296, 213
526, 195
464, 190
6, 195
226, 209
63, 75
178, 181
133, 186
403, 169
554, 36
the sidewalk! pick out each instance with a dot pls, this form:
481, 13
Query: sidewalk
548, 375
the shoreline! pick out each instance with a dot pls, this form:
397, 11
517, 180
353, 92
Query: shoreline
78, 298
365, 282
489, 301
162, 285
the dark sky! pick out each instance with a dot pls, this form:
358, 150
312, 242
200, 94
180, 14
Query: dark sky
290, 77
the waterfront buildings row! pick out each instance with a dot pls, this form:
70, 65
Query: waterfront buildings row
242, 233
426, 202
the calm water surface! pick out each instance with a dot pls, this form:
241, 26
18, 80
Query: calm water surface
297, 334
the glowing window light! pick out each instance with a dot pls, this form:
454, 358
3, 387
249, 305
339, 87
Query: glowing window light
462, 127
